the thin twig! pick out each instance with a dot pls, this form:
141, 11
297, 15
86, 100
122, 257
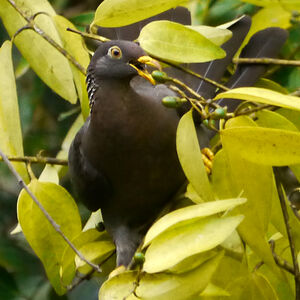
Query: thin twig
268, 61
189, 71
288, 230
89, 35
45, 36
46, 214
282, 263
252, 110
38, 159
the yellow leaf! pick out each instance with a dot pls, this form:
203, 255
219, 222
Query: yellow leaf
48, 245
117, 13
261, 95
190, 157
175, 42
10, 126
50, 65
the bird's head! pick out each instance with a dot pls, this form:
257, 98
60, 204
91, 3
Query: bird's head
117, 59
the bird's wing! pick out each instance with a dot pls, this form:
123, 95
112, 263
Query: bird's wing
92, 186
265, 43
214, 69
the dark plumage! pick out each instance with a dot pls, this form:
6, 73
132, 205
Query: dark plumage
123, 160
124, 157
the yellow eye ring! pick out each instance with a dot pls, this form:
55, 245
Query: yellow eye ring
115, 52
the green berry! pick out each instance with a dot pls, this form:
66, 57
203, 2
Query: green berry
171, 102
139, 258
159, 76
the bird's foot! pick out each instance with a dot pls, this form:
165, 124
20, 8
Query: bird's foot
207, 156
117, 271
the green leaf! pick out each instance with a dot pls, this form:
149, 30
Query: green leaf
216, 35
48, 245
189, 213
188, 238
50, 65
117, 13
178, 287
266, 146
73, 43
262, 96
175, 42
10, 126
190, 157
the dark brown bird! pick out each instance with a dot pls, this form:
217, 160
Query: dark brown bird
123, 160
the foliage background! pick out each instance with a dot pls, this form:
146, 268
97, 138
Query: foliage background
45, 124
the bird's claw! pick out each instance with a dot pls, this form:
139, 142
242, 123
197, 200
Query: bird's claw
207, 157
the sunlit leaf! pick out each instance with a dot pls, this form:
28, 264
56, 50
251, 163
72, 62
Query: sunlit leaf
214, 291
10, 127
116, 13
267, 146
255, 285
188, 238
291, 115
49, 174
73, 43
68, 266
94, 219
175, 42
272, 85
48, 245
188, 213
95, 252
190, 157
241, 176
50, 65
178, 287
215, 34
271, 119
119, 287
262, 96
234, 244
22, 68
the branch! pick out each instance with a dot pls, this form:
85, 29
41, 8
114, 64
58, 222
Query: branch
89, 35
266, 60
288, 230
38, 159
282, 263
46, 214
45, 36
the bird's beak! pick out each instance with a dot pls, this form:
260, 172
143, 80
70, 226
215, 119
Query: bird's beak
146, 60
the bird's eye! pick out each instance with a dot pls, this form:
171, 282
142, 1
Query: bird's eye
115, 52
